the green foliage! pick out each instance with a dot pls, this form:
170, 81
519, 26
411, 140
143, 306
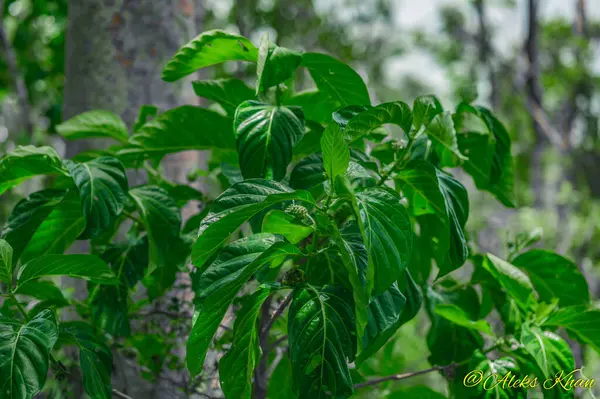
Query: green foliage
358, 227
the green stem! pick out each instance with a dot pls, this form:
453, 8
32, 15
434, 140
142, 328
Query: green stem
19, 306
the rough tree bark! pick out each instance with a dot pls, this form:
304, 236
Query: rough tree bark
115, 52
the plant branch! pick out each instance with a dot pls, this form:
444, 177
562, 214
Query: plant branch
13, 68
120, 394
398, 377
19, 306
275, 315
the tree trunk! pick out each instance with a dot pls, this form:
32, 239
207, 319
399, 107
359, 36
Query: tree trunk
115, 53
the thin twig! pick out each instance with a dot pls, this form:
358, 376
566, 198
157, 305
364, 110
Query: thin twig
120, 394
276, 314
398, 377
13, 68
278, 341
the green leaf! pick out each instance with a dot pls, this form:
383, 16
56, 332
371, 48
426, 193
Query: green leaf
581, 322
109, 309
156, 139
321, 336
217, 285
236, 367
27, 216
419, 183
86, 267
554, 277
487, 144
6, 265
502, 174
425, 108
24, 354
23, 163
59, 229
209, 48
42, 290
447, 341
275, 64
278, 222
229, 93
457, 211
442, 134
499, 368
95, 358
146, 112
162, 220
397, 113
414, 298
384, 320
355, 259
308, 173
235, 206
314, 103
265, 137
516, 282
128, 262
96, 123
336, 154
459, 317
102, 185
388, 234
551, 353
336, 80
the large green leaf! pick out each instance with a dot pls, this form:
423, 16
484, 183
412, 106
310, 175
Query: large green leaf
266, 136
59, 229
321, 336
336, 154
419, 183
487, 144
236, 367
234, 207
95, 358
42, 290
87, 267
109, 308
492, 371
6, 265
443, 135
502, 174
425, 108
514, 281
583, 323
197, 129
388, 235
551, 353
229, 93
219, 283
336, 80
275, 64
24, 353
129, 262
554, 277
23, 163
459, 317
103, 186
355, 260
457, 210
413, 295
447, 341
162, 220
314, 103
289, 226
209, 48
27, 216
96, 123
384, 321
397, 113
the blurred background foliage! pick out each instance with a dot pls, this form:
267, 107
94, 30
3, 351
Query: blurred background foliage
535, 63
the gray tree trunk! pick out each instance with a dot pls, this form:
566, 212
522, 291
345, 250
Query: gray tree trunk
115, 52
